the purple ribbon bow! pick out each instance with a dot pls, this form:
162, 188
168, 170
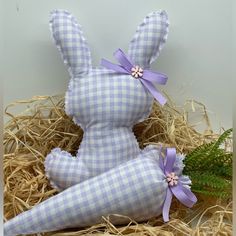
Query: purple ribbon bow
147, 77
175, 187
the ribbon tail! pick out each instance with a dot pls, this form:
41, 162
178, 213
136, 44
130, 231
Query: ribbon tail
166, 206
114, 67
155, 77
184, 195
156, 94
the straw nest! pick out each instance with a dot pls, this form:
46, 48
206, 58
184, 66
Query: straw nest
30, 136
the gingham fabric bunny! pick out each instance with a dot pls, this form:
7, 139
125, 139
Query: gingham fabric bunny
110, 174
106, 104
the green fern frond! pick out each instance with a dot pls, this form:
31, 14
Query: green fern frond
211, 180
217, 194
222, 138
210, 168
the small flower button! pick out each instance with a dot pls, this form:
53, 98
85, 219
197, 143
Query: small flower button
137, 72
172, 179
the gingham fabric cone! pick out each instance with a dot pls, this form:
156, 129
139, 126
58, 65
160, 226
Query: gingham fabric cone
136, 189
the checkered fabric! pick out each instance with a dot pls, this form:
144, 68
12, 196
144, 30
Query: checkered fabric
149, 39
69, 39
66, 169
136, 189
104, 103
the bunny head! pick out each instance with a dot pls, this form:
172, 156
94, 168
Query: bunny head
101, 97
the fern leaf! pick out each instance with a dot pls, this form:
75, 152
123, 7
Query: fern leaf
210, 168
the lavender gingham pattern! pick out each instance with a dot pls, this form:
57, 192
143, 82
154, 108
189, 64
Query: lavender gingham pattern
66, 169
104, 103
149, 39
70, 41
136, 189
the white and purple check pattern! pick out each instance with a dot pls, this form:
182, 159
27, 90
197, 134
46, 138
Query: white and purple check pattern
149, 39
69, 39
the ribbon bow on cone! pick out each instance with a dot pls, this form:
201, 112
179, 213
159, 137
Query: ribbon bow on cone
175, 184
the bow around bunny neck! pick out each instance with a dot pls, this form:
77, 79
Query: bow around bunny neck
146, 76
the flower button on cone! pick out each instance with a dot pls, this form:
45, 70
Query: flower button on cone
172, 179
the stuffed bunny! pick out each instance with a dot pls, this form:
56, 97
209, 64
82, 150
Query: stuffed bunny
105, 103
110, 174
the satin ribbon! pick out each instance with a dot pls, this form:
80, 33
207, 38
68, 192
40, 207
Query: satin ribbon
148, 77
183, 194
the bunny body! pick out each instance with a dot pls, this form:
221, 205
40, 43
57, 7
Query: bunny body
104, 103
106, 106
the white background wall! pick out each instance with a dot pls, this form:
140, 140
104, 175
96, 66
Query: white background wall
197, 56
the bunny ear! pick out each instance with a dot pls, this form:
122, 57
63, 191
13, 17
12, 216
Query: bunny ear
149, 39
70, 41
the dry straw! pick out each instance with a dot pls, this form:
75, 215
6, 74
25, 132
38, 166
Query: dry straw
30, 136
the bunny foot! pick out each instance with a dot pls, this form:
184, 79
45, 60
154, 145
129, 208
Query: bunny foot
64, 170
